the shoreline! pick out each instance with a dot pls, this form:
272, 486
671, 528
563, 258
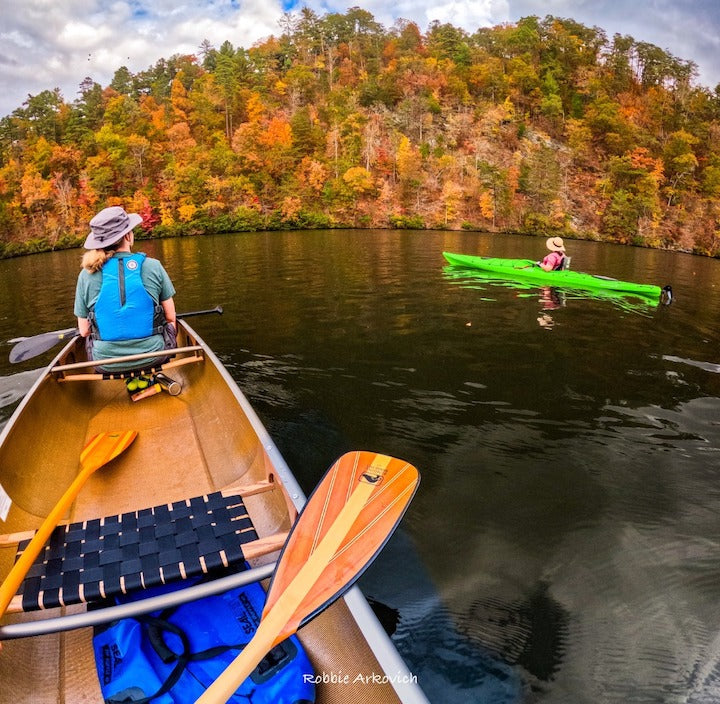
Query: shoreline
22, 249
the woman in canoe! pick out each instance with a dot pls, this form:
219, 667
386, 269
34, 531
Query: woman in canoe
555, 261
123, 301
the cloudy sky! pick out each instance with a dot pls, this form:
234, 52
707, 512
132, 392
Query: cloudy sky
57, 43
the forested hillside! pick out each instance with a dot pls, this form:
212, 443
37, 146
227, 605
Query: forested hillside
544, 126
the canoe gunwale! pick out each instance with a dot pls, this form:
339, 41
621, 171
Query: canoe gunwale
96, 617
31, 392
404, 682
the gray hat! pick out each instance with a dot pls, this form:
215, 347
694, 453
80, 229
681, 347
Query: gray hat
109, 225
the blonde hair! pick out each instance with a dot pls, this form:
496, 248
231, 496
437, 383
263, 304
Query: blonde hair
94, 259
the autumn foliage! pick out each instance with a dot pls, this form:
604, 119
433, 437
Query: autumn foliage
544, 126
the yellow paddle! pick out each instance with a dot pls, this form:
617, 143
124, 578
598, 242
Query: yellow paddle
344, 525
99, 451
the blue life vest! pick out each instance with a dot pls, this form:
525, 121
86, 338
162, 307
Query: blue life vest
124, 309
172, 657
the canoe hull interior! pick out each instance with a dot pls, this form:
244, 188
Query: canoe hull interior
204, 440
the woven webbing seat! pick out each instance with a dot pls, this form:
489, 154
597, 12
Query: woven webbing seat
105, 557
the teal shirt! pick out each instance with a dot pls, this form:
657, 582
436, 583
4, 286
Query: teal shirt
156, 282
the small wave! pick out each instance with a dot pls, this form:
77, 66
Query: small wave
707, 366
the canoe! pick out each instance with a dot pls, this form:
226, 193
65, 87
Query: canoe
205, 442
529, 271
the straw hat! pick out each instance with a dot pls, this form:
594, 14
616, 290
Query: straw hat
555, 244
109, 225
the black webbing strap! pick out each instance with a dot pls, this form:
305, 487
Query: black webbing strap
157, 626
121, 282
100, 558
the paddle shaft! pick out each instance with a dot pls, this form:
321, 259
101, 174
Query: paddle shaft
99, 451
190, 314
272, 628
15, 577
35, 345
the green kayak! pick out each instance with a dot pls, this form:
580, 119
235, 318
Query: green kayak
529, 271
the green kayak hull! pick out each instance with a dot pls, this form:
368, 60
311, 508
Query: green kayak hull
528, 270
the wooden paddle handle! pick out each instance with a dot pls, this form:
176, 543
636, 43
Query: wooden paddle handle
15, 577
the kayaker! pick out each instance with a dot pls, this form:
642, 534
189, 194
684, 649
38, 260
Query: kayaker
123, 301
556, 259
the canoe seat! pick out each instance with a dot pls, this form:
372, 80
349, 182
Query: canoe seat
92, 560
86, 370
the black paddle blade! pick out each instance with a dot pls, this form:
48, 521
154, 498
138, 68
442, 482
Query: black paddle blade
33, 346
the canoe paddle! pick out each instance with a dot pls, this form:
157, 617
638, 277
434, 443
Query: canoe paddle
103, 448
37, 344
344, 525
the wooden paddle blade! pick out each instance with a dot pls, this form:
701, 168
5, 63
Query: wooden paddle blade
345, 523
36, 345
105, 447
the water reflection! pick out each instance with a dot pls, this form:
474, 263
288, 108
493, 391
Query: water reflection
563, 547
707, 366
12, 389
549, 297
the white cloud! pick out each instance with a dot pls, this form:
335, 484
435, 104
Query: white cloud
469, 14
44, 44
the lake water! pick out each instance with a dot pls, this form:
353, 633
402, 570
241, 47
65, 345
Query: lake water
565, 542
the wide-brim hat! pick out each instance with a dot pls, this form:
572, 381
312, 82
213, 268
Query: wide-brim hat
109, 225
555, 244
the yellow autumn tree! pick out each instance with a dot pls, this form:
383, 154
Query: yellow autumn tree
487, 205
360, 183
408, 161
359, 180
312, 175
452, 194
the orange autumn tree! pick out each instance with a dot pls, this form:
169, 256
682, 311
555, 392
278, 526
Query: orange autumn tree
542, 126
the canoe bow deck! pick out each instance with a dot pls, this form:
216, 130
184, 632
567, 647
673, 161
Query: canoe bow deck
207, 439
529, 271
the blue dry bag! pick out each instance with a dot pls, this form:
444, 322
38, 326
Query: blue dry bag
171, 657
